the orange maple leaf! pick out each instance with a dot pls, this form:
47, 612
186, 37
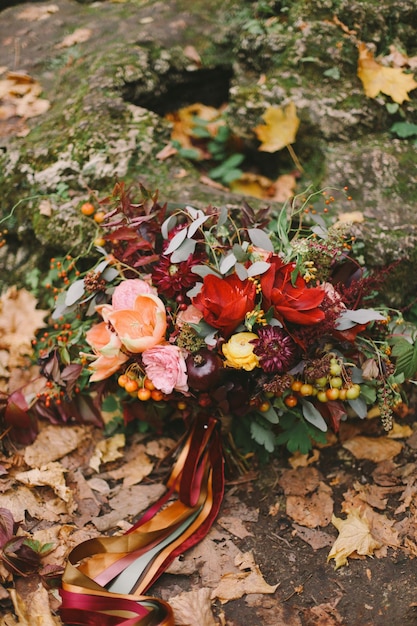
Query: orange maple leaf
376, 78
280, 128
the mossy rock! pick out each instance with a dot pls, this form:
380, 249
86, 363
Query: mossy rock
110, 92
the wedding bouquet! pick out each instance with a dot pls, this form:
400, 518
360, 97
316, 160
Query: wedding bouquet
267, 320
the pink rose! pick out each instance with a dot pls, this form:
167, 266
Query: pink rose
124, 295
165, 367
191, 315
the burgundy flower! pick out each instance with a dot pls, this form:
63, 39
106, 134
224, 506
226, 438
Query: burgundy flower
224, 302
293, 301
173, 279
275, 349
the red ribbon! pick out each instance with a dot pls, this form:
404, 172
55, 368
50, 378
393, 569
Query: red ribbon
105, 577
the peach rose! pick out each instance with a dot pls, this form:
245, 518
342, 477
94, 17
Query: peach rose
141, 327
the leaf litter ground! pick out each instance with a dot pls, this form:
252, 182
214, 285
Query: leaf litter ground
266, 559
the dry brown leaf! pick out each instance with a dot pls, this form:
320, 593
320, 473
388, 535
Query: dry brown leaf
300, 481
191, 53
280, 128
303, 460
400, 431
80, 35
350, 217
317, 539
376, 78
33, 14
183, 124
193, 607
19, 100
107, 450
166, 152
19, 320
354, 537
248, 579
234, 525
54, 442
128, 502
374, 449
134, 471
34, 609
312, 510
50, 475
23, 499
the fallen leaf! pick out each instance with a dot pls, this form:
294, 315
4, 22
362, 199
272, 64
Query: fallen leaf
107, 450
247, 579
300, 481
400, 431
376, 78
193, 607
50, 475
166, 152
19, 320
54, 442
317, 539
350, 217
80, 35
33, 14
354, 537
312, 510
34, 608
191, 53
280, 128
128, 503
373, 449
22, 499
134, 471
303, 460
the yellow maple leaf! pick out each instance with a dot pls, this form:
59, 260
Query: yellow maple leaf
376, 78
354, 537
280, 128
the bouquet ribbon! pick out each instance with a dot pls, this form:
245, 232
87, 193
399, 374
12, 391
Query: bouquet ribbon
105, 577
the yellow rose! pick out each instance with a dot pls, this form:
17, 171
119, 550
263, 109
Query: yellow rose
239, 352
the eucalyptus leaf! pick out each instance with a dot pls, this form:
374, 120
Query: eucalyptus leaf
192, 229
257, 268
260, 239
203, 270
176, 241
168, 225
75, 291
109, 274
241, 271
227, 263
348, 318
312, 415
359, 406
183, 252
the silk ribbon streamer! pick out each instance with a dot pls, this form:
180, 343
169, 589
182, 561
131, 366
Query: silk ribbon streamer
106, 577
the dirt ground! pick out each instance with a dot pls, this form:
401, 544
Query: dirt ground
366, 592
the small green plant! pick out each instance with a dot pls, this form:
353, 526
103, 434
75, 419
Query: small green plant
405, 130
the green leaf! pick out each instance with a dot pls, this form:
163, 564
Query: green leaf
313, 415
262, 435
332, 72
404, 129
405, 354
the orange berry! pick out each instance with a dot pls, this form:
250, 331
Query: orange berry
131, 385
156, 395
122, 380
181, 405
291, 401
144, 394
296, 386
99, 241
87, 208
148, 384
264, 407
332, 393
99, 217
